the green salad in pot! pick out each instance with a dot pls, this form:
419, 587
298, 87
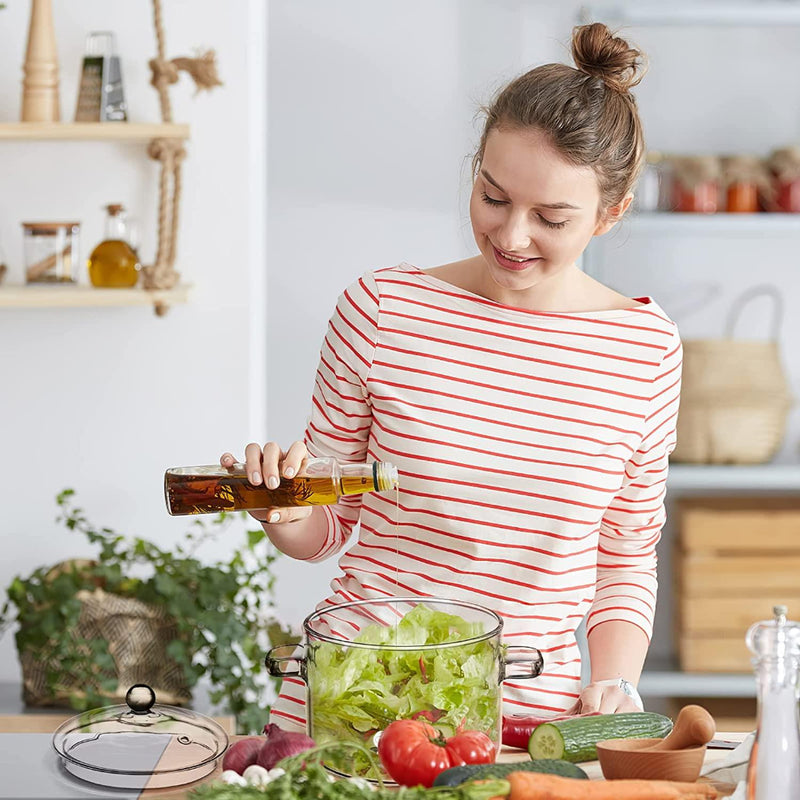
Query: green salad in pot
429, 665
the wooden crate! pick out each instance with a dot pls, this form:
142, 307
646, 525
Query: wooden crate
735, 559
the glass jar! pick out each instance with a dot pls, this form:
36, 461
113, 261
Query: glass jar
701, 198
51, 251
784, 166
787, 195
114, 264
742, 198
746, 181
696, 187
648, 191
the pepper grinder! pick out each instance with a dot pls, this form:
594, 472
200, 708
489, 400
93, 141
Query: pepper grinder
774, 768
40, 101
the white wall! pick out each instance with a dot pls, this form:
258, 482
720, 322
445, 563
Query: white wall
103, 400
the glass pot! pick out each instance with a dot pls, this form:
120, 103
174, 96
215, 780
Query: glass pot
370, 662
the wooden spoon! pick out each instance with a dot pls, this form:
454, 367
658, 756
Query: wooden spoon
693, 727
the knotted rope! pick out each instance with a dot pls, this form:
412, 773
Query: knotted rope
170, 153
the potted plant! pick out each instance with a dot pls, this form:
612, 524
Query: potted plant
88, 629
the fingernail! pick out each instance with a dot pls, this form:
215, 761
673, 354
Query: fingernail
289, 472
273, 482
255, 478
274, 516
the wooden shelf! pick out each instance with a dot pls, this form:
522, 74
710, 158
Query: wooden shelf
756, 477
91, 131
674, 683
72, 296
763, 12
670, 222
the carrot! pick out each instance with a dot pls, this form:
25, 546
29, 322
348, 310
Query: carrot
535, 786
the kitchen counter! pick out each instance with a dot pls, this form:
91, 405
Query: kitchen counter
32, 771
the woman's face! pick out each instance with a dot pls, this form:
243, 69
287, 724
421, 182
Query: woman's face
532, 212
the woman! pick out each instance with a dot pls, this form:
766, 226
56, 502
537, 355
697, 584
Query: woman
529, 409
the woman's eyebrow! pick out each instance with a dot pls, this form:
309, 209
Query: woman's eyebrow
554, 206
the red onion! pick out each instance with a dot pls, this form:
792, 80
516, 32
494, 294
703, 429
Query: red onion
281, 744
243, 753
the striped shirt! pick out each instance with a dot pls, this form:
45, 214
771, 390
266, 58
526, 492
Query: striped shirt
532, 449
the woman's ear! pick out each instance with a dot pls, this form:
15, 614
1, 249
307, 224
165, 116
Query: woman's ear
613, 215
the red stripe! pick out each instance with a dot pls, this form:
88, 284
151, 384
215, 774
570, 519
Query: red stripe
538, 413
522, 311
505, 336
405, 368
528, 359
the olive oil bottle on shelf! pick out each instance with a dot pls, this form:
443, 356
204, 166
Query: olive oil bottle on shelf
210, 489
114, 262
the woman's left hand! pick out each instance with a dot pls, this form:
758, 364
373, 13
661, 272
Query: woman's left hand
605, 698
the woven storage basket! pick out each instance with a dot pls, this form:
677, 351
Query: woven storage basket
734, 397
137, 636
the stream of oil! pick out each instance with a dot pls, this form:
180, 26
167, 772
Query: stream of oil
396, 556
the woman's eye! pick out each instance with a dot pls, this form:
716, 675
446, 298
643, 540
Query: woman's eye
550, 224
491, 200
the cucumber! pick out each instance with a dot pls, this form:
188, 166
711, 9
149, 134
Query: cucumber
575, 739
551, 766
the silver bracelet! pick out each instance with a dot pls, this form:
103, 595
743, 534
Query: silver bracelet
627, 687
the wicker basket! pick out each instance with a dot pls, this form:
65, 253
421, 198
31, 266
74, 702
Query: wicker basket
735, 397
137, 636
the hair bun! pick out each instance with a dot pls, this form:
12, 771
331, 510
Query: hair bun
597, 52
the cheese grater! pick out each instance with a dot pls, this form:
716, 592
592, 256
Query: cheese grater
101, 97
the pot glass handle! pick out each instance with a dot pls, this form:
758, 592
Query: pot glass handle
521, 663
284, 661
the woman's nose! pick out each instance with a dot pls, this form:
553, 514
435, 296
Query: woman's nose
514, 234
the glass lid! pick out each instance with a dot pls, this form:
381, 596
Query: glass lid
141, 744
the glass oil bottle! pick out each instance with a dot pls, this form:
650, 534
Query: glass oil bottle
322, 481
114, 262
774, 768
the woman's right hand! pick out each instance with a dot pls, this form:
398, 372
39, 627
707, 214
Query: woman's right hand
265, 465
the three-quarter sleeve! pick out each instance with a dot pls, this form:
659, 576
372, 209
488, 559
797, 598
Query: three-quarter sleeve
631, 527
341, 413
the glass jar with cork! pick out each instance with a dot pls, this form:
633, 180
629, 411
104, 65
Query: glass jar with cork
114, 263
51, 251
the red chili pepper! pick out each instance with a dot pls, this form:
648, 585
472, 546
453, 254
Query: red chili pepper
517, 730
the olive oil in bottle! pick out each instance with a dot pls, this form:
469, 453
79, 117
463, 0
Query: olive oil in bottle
114, 263
211, 489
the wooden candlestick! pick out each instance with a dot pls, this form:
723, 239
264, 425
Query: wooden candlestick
40, 101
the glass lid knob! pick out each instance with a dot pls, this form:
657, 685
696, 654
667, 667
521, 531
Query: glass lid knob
140, 698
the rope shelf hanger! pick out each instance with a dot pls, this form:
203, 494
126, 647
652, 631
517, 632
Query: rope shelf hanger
170, 153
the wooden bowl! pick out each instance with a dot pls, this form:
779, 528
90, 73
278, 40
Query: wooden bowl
626, 758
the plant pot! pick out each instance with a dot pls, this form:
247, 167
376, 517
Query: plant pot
138, 635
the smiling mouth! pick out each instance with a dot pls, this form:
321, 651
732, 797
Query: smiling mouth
509, 261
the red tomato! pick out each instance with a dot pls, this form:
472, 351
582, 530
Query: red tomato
413, 752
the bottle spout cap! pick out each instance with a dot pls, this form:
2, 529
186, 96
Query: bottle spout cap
385, 475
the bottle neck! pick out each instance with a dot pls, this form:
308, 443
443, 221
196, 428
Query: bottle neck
116, 227
379, 476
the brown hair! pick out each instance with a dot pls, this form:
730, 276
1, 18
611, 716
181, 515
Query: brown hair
588, 113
